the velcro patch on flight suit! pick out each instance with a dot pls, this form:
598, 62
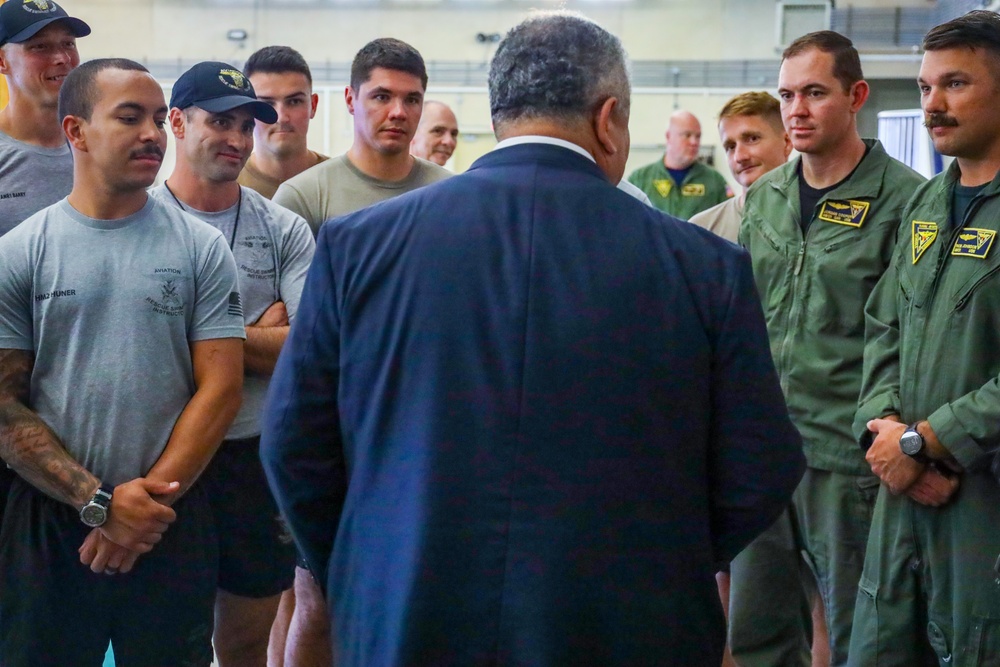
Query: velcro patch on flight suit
973, 242
663, 186
924, 234
693, 190
844, 212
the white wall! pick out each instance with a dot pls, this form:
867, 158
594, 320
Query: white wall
650, 30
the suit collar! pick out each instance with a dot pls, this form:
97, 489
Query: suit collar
527, 153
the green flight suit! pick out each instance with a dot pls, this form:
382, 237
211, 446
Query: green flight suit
703, 188
930, 587
813, 287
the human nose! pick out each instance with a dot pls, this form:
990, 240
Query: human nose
932, 100
397, 109
795, 106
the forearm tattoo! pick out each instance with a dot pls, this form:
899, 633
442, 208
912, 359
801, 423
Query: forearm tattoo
28, 445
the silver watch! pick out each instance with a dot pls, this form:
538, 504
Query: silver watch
95, 513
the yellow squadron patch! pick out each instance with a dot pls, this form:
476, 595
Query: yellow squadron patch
663, 186
924, 234
693, 190
844, 212
974, 242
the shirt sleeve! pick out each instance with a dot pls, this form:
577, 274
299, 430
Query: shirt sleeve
301, 444
756, 457
218, 310
880, 375
297, 250
16, 325
291, 198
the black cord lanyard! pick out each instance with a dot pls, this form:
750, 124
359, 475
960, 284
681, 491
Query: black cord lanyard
236, 223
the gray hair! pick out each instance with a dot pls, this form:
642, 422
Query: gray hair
556, 65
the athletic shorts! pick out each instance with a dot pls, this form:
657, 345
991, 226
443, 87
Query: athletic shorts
55, 612
256, 553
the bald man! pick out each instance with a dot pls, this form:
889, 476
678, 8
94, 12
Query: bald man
679, 184
437, 133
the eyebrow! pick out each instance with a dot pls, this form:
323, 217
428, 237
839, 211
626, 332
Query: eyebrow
265, 98
135, 106
946, 75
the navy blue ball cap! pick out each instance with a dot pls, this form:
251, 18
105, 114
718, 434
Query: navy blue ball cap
20, 20
218, 87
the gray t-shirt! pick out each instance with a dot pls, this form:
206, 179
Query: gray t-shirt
31, 178
336, 187
110, 308
266, 236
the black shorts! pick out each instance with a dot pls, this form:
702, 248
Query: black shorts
256, 553
55, 612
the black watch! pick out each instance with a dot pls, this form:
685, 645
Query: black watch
912, 444
95, 513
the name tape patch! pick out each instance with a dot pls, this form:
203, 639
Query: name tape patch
844, 212
924, 234
973, 242
693, 190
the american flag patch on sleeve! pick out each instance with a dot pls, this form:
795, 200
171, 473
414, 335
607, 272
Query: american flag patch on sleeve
235, 304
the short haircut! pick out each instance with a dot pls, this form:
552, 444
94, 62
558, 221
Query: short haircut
754, 103
79, 91
979, 29
556, 65
277, 60
846, 62
387, 53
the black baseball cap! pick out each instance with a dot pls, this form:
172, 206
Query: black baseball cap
218, 87
20, 20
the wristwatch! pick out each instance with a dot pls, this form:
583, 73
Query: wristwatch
95, 513
912, 444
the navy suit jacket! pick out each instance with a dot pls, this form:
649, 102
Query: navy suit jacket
521, 418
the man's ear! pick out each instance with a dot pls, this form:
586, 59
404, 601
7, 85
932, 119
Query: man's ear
4, 66
313, 103
604, 116
349, 98
73, 128
177, 121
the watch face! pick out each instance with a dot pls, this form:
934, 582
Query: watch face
911, 443
93, 515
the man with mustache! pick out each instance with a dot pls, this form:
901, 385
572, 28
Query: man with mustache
386, 98
821, 231
437, 133
121, 364
281, 77
213, 114
930, 407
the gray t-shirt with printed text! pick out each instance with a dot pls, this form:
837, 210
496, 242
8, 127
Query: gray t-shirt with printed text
273, 248
110, 309
31, 178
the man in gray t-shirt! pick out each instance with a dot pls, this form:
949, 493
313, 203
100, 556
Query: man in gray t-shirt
121, 359
213, 110
37, 49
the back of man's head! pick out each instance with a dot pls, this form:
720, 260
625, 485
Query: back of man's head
277, 60
754, 103
978, 29
78, 94
387, 53
556, 65
846, 61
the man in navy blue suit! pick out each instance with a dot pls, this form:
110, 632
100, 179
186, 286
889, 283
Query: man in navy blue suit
522, 417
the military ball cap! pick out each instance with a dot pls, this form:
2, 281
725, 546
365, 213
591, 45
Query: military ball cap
20, 20
218, 87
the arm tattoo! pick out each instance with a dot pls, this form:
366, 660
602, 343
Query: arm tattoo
28, 445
